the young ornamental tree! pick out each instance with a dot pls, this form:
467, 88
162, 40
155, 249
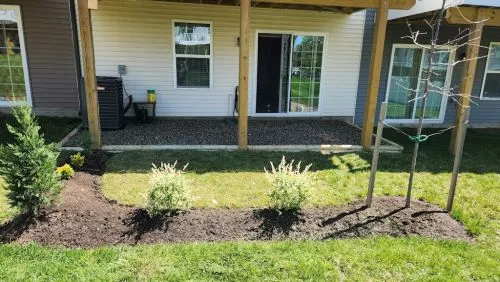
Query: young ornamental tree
437, 52
28, 165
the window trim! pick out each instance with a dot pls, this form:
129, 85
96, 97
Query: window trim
486, 72
210, 57
22, 43
449, 75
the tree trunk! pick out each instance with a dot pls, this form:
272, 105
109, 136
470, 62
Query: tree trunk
430, 54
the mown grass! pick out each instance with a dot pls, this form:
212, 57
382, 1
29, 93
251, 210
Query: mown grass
54, 128
237, 179
6, 211
372, 259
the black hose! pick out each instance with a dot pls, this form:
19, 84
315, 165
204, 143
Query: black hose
130, 99
236, 109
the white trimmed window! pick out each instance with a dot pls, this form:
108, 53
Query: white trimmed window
406, 84
192, 54
14, 81
491, 82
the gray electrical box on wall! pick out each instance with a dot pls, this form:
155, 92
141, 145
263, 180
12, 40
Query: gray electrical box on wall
122, 69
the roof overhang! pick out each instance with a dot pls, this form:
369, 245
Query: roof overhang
338, 6
423, 7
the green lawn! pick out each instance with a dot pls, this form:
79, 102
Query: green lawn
373, 259
54, 128
6, 212
236, 179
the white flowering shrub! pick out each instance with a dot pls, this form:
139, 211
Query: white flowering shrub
169, 190
289, 185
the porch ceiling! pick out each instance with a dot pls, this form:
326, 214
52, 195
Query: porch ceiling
335, 6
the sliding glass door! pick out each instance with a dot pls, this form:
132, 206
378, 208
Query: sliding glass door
407, 82
307, 57
289, 70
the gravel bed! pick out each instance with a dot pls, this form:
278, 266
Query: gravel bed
302, 132
170, 132
224, 132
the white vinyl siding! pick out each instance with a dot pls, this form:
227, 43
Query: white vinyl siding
138, 35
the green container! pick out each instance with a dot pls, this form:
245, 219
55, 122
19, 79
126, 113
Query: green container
151, 96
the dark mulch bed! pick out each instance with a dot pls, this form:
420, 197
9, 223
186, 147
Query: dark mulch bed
84, 218
224, 132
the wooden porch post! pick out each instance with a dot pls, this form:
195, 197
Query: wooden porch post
89, 73
243, 79
468, 74
374, 77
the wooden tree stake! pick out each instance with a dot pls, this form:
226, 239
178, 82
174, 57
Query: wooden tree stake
458, 157
376, 153
468, 75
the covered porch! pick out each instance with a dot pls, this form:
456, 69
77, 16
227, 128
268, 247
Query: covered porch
324, 135
241, 132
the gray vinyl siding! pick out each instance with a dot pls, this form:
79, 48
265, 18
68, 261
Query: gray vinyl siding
364, 66
51, 55
483, 112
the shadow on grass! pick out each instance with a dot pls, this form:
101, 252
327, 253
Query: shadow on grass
213, 161
54, 129
480, 156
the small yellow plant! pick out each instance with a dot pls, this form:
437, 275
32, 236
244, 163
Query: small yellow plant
77, 160
65, 171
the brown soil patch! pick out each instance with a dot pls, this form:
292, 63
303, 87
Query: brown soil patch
85, 219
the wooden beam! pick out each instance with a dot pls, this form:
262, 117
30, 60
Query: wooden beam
392, 4
374, 73
468, 75
466, 15
89, 73
243, 78
93, 4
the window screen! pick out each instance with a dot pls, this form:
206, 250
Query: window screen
193, 47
